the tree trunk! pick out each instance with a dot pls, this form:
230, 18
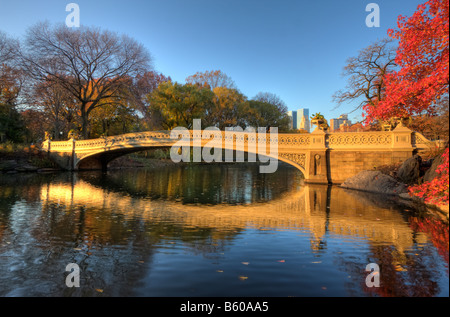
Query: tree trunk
57, 130
84, 122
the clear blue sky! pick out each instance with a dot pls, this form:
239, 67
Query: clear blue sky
293, 48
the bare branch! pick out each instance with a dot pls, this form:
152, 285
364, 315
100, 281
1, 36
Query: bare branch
89, 63
365, 74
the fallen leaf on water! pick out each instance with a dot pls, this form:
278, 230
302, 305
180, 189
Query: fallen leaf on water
245, 263
399, 268
99, 290
219, 271
243, 278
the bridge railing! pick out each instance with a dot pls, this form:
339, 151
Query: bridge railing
142, 138
352, 139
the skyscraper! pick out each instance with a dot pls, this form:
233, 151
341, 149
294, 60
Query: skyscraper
304, 121
293, 119
342, 121
299, 119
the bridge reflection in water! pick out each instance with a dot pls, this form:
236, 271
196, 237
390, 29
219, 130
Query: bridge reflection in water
126, 231
310, 208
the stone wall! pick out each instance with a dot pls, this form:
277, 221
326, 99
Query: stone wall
62, 159
345, 164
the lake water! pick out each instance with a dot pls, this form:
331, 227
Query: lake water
212, 230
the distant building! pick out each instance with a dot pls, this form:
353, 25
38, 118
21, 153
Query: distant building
299, 119
292, 119
305, 121
340, 123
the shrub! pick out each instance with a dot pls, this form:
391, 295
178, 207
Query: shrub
436, 191
160, 154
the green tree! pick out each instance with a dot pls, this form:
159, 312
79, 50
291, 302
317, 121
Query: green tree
11, 123
179, 105
141, 86
229, 107
264, 114
113, 119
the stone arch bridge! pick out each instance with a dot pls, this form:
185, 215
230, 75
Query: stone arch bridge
322, 157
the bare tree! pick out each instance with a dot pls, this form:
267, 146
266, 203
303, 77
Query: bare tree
273, 99
213, 78
8, 49
141, 86
12, 80
57, 103
11, 77
365, 74
91, 64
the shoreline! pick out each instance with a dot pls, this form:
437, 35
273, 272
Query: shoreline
13, 163
20, 162
391, 188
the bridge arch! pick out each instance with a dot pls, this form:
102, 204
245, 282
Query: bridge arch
100, 159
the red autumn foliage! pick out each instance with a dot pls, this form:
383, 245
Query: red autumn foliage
423, 78
436, 230
423, 57
436, 191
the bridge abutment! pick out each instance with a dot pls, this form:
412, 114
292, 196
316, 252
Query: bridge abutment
345, 164
317, 162
92, 163
347, 157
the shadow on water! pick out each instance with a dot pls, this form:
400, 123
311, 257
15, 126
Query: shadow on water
221, 230
200, 184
